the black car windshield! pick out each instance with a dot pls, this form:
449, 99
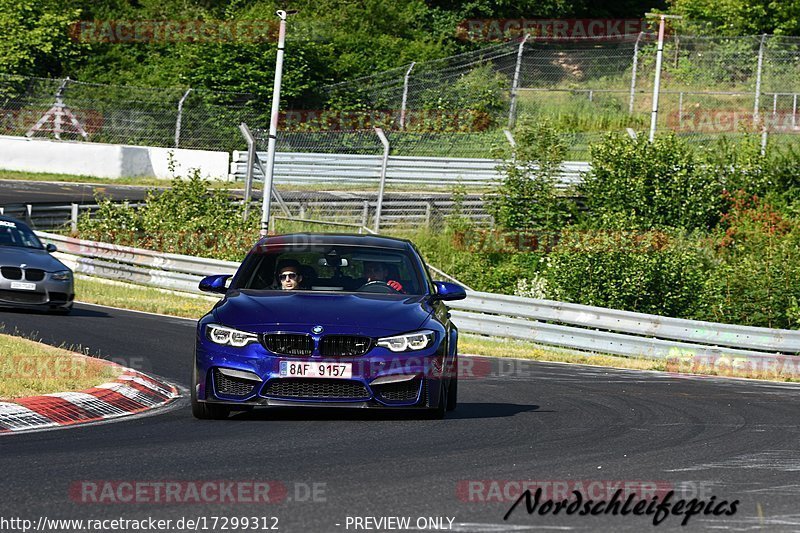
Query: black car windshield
15, 234
332, 268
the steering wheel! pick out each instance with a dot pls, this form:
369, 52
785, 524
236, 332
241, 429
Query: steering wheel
378, 287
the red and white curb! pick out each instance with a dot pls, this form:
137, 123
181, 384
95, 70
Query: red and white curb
131, 393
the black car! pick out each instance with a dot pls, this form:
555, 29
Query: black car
30, 277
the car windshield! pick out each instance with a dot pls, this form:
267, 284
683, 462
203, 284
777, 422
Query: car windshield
332, 268
15, 234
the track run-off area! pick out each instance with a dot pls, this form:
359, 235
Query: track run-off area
557, 426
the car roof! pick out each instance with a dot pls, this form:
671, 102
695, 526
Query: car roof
12, 219
376, 241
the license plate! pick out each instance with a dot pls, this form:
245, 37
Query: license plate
23, 286
306, 369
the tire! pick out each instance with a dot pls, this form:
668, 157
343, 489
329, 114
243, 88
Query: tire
437, 413
203, 410
452, 394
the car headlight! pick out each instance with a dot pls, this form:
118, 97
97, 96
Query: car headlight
408, 341
229, 336
61, 275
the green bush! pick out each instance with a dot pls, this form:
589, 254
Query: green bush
756, 278
527, 198
648, 272
635, 184
188, 218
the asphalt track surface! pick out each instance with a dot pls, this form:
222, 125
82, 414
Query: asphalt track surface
732, 439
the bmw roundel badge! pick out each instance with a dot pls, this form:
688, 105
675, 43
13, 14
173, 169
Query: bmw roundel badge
317, 329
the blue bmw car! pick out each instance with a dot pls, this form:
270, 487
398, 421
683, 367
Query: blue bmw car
327, 320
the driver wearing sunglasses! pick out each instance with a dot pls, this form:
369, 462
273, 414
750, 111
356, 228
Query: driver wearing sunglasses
289, 275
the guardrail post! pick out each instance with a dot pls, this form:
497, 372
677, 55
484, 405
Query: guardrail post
428, 210
180, 116
28, 214
302, 210
633, 73
512, 110
365, 214
385, 163
73, 217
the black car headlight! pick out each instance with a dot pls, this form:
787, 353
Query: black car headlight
417, 340
61, 275
228, 336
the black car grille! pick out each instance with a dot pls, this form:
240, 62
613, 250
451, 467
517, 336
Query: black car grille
34, 274
288, 343
231, 386
339, 389
403, 391
21, 297
11, 272
344, 345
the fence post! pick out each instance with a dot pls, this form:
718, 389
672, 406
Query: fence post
510, 138
405, 96
512, 111
659, 58
365, 214
73, 217
385, 163
758, 77
251, 161
180, 116
633, 72
428, 210
794, 110
680, 110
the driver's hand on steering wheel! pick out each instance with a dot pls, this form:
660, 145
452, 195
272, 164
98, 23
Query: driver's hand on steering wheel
395, 285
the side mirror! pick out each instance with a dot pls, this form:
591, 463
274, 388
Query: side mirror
214, 283
50, 247
449, 291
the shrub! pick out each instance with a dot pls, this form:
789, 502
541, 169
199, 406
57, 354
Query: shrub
635, 184
756, 279
649, 272
527, 198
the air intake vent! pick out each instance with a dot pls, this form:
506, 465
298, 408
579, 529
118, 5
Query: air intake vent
288, 344
327, 389
403, 391
231, 386
23, 297
344, 345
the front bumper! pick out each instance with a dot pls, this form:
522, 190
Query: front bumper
47, 294
250, 377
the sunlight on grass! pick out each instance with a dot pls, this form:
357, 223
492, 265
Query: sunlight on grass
29, 368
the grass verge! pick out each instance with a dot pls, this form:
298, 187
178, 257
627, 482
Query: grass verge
140, 298
474, 344
30, 368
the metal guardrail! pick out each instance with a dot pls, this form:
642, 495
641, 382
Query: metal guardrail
573, 326
348, 169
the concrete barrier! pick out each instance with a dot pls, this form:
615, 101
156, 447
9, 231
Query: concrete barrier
108, 160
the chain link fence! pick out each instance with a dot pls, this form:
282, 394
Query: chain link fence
711, 87
169, 117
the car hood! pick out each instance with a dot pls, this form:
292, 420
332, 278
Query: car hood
31, 257
365, 314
